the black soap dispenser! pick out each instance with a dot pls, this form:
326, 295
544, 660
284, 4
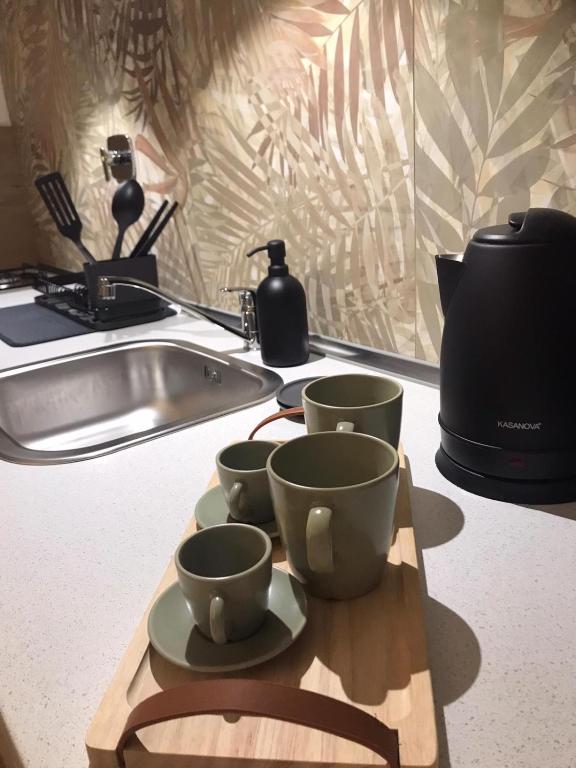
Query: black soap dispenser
281, 311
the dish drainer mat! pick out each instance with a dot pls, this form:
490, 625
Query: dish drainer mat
27, 324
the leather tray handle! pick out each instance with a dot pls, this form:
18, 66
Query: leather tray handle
264, 699
298, 411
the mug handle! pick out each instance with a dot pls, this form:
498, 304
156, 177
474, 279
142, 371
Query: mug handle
345, 426
217, 625
319, 540
286, 413
233, 500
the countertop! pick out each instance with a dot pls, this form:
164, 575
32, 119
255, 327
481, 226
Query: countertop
83, 546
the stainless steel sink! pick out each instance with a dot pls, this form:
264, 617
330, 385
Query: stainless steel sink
91, 403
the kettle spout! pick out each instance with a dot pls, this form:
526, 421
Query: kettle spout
449, 268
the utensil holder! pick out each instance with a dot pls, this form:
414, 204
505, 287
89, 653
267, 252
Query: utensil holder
128, 301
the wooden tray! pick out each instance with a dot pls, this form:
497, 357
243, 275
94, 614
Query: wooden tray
369, 652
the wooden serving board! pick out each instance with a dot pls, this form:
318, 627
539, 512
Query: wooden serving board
369, 652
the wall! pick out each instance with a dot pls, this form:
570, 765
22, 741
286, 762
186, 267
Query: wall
15, 221
495, 127
370, 134
4, 116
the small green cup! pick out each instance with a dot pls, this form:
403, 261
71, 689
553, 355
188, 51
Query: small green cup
355, 401
225, 574
244, 480
334, 497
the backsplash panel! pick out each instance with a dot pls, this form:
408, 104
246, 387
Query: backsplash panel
495, 126
369, 134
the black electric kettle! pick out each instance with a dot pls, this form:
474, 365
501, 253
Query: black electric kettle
508, 360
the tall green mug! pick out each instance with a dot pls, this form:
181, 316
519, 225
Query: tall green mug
355, 401
334, 496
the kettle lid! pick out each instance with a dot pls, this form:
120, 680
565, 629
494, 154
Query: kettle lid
536, 226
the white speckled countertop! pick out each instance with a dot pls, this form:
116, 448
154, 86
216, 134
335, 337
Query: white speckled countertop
83, 546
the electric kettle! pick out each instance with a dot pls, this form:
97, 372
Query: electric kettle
508, 360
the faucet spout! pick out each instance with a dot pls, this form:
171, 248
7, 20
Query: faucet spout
106, 291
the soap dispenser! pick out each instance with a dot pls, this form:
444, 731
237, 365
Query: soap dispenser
281, 311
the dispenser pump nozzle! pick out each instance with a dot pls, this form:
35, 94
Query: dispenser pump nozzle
276, 253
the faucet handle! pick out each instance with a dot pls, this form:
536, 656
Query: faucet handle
237, 289
247, 296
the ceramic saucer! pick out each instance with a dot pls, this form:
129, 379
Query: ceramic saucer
290, 396
212, 509
174, 635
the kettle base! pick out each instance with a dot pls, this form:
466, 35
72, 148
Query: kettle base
558, 491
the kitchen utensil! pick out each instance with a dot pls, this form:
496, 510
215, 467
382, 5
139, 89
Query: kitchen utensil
212, 509
174, 634
369, 653
372, 404
507, 370
148, 231
56, 196
242, 471
224, 573
127, 207
334, 496
147, 245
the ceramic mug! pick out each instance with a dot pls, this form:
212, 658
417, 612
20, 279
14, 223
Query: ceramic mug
225, 574
355, 401
244, 480
334, 497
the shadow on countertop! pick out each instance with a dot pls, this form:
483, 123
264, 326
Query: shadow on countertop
567, 511
9, 757
437, 519
454, 653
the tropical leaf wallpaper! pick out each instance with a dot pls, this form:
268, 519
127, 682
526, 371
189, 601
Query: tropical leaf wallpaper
369, 134
495, 125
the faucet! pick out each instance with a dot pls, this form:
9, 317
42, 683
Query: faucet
247, 315
106, 291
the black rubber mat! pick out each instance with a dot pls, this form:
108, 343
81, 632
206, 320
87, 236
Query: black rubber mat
28, 324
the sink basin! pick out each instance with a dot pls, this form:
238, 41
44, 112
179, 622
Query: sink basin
96, 402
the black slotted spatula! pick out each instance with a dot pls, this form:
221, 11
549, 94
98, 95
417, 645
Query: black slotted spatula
54, 192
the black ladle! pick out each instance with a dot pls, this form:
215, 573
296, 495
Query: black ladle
127, 207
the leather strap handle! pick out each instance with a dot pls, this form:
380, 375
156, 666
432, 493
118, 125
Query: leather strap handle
264, 699
284, 414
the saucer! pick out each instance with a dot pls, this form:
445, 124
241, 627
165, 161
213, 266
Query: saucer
290, 396
174, 635
212, 509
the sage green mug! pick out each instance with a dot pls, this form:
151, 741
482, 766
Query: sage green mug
244, 480
334, 497
355, 401
225, 574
